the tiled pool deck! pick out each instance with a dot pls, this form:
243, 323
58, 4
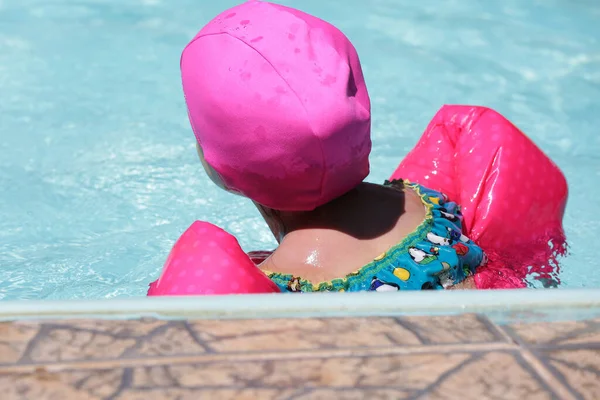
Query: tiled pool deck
442, 357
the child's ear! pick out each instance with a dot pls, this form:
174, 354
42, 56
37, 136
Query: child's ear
210, 171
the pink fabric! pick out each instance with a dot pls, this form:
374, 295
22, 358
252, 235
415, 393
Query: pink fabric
278, 102
207, 260
512, 195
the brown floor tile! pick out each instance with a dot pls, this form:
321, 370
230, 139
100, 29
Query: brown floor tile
35, 342
467, 328
89, 385
95, 340
457, 375
303, 334
118, 327
217, 394
556, 333
579, 368
171, 340
252, 335
14, 338
570, 350
493, 376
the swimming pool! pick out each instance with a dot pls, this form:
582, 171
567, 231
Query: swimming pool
98, 173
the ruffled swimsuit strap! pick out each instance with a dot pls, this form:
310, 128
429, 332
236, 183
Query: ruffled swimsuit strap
434, 256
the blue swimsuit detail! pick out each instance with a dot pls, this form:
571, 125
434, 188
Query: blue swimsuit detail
435, 256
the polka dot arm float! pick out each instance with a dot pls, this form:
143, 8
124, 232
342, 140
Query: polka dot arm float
512, 195
206, 260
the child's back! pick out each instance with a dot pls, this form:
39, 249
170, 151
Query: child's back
345, 234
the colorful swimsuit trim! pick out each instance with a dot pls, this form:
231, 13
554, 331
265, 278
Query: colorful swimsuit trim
435, 256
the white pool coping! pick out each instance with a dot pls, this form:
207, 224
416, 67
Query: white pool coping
525, 304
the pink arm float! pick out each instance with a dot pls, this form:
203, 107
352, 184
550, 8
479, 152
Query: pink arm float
512, 197
511, 194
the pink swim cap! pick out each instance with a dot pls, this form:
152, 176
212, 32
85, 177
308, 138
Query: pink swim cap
278, 102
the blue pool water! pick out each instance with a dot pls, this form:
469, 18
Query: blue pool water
98, 173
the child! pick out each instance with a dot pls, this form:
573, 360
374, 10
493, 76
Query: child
281, 114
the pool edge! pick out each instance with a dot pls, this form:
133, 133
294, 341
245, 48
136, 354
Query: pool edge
541, 304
